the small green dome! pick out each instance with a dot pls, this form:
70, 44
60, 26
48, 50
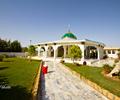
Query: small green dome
69, 35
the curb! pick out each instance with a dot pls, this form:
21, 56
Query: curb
105, 92
36, 83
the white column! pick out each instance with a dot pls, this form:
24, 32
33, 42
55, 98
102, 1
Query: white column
100, 52
38, 51
57, 52
82, 47
64, 47
55, 47
46, 49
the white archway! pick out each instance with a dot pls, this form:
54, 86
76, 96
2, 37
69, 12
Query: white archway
50, 52
91, 52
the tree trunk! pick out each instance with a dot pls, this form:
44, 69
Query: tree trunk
30, 58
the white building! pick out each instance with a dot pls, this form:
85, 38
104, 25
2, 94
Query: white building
111, 52
57, 50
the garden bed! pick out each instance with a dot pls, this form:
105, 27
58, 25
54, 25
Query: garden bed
94, 74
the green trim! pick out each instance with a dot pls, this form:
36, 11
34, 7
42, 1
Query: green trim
69, 35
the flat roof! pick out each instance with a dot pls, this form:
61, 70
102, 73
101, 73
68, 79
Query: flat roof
111, 48
72, 41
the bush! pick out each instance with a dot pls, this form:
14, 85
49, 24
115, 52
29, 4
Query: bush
84, 63
116, 74
62, 61
116, 60
107, 69
5, 55
77, 64
114, 65
1, 57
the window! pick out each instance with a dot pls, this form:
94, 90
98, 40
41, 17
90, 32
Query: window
109, 51
113, 51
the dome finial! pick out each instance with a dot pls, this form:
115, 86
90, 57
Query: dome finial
68, 28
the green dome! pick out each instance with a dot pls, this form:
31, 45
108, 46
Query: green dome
69, 35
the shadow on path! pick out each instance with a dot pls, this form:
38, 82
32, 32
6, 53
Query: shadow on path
51, 71
42, 90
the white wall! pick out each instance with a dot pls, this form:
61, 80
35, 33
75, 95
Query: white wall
100, 52
111, 54
22, 54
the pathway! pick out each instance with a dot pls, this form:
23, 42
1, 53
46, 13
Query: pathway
60, 84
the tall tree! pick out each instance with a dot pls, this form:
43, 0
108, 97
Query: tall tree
75, 52
3, 45
9, 46
31, 51
16, 46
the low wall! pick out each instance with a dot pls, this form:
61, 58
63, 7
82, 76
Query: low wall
20, 54
95, 86
68, 60
36, 84
112, 55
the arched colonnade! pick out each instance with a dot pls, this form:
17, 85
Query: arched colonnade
62, 50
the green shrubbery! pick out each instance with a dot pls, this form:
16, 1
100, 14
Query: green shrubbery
116, 75
116, 60
1, 57
105, 57
84, 63
62, 61
77, 64
5, 55
107, 69
75, 52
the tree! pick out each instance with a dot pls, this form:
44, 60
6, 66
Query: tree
31, 51
16, 46
75, 52
9, 46
3, 45
24, 49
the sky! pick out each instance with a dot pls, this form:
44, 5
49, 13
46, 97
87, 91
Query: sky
48, 20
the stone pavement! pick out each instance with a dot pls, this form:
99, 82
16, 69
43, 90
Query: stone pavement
60, 84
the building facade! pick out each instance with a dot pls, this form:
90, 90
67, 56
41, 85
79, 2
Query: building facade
57, 50
111, 52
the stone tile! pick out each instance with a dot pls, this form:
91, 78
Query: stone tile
60, 84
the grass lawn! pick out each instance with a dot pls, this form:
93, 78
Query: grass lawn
94, 74
19, 74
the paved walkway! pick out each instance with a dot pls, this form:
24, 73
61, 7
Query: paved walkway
60, 84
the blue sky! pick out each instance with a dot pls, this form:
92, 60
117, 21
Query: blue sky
46, 20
